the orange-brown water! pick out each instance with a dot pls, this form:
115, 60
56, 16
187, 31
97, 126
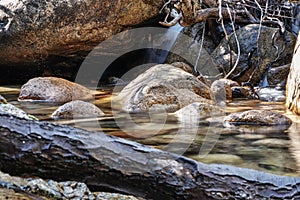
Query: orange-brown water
268, 149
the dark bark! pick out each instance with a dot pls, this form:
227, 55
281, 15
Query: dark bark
30, 148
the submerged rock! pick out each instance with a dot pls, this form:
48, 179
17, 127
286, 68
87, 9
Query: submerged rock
163, 87
52, 89
195, 111
77, 109
256, 117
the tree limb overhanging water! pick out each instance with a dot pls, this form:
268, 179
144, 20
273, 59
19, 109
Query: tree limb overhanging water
104, 162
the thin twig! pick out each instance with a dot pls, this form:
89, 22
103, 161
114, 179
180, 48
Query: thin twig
200, 50
261, 20
237, 43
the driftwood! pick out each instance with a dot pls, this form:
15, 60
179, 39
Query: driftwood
30, 148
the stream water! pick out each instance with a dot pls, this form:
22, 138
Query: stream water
269, 149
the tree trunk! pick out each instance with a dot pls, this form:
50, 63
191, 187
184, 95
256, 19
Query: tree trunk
293, 81
30, 148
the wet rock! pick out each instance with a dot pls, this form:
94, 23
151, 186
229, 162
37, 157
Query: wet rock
273, 143
256, 55
278, 75
187, 49
257, 117
219, 158
222, 89
163, 87
271, 94
195, 111
77, 109
52, 89
2, 100
242, 92
13, 110
248, 136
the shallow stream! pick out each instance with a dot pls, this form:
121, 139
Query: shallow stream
269, 149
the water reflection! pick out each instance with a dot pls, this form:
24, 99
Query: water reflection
269, 149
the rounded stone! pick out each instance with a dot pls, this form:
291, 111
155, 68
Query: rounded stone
52, 89
163, 87
222, 89
256, 117
77, 109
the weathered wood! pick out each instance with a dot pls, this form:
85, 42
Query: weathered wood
43, 149
293, 81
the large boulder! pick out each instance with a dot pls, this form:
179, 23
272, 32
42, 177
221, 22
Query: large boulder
47, 36
261, 48
52, 89
293, 82
163, 87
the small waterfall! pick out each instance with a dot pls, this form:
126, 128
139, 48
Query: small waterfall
159, 56
154, 49
264, 82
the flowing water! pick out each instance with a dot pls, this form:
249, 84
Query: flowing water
269, 149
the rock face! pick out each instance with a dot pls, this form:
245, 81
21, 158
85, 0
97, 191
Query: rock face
163, 87
278, 75
256, 117
77, 109
292, 85
52, 89
46, 35
257, 53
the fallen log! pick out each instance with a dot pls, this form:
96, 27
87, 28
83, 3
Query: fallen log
107, 163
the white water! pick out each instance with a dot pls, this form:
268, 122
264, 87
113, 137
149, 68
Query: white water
168, 40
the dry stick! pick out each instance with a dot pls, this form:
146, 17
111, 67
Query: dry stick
261, 20
237, 43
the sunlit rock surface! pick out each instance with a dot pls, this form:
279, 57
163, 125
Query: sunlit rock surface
77, 109
256, 117
52, 89
163, 87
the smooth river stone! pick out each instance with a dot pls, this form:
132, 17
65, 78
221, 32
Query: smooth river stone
163, 87
257, 118
52, 89
77, 109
